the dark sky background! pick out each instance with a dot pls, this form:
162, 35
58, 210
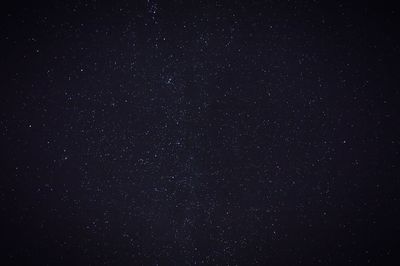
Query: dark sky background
200, 132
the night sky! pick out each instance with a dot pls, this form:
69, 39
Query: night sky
200, 132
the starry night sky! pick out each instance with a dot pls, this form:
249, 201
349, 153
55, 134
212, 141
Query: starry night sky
199, 132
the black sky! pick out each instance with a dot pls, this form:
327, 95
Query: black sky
199, 132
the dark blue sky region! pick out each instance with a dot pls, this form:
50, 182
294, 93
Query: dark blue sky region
199, 132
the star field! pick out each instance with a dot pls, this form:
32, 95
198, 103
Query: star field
199, 132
